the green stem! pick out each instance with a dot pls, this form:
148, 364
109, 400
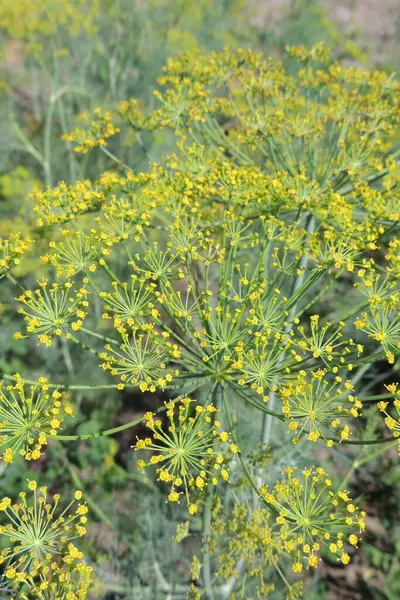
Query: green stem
378, 397
85, 346
13, 280
62, 386
259, 405
364, 442
109, 272
100, 337
358, 462
28, 146
297, 285
231, 429
207, 514
91, 436
114, 158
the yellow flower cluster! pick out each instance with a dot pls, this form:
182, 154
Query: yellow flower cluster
392, 423
241, 536
52, 311
74, 253
311, 516
141, 360
382, 323
100, 129
190, 450
38, 555
27, 415
320, 405
55, 206
35, 20
11, 250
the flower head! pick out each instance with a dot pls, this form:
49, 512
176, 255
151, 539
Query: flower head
27, 415
64, 203
99, 129
38, 537
11, 250
322, 408
392, 422
53, 310
190, 451
129, 305
241, 534
311, 515
76, 252
383, 325
140, 361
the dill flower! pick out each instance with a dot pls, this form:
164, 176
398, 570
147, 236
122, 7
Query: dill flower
77, 252
241, 534
312, 515
299, 123
11, 250
53, 310
64, 203
383, 325
100, 128
140, 360
331, 251
283, 181
260, 366
129, 304
27, 415
34, 20
393, 258
38, 534
324, 342
190, 451
393, 424
321, 408
66, 580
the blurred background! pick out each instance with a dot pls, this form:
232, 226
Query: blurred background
60, 59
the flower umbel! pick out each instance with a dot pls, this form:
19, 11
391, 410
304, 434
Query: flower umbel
312, 515
100, 128
140, 361
11, 250
53, 310
39, 535
392, 423
27, 415
190, 449
319, 406
69, 579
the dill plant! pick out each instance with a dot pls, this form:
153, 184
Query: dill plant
211, 268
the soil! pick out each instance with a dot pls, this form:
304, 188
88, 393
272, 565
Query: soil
373, 24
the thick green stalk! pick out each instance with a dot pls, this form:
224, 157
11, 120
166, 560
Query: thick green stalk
207, 514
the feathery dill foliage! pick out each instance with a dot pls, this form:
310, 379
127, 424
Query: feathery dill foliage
209, 270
